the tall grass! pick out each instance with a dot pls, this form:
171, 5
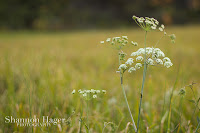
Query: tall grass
51, 65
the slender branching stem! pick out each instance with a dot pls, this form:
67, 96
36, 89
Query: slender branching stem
143, 81
88, 114
156, 45
124, 93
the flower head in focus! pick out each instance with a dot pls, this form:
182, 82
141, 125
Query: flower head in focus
148, 24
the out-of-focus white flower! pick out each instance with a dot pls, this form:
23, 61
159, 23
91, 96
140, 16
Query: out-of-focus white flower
102, 42
134, 43
104, 91
112, 101
73, 91
138, 65
162, 26
92, 91
140, 58
94, 96
130, 70
108, 39
153, 27
84, 94
129, 61
168, 64
161, 29
122, 67
88, 91
125, 37
117, 38
98, 91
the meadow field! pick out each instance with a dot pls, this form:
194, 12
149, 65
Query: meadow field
39, 70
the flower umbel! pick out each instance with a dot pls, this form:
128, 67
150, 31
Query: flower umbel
148, 24
89, 94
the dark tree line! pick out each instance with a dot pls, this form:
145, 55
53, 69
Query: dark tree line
70, 14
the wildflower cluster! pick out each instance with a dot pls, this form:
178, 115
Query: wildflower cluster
155, 57
148, 24
119, 42
89, 94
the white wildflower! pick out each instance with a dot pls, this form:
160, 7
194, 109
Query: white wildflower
102, 42
84, 94
150, 61
140, 20
98, 91
130, 70
138, 65
88, 91
125, 37
140, 58
108, 39
168, 64
160, 28
129, 61
134, 17
134, 54
122, 67
140, 51
73, 91
94, 96
134, 43
156, 22
166, 59
153, 27
159, 61
92, 91
117, 38
104, 91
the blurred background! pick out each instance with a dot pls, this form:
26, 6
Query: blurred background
76, 14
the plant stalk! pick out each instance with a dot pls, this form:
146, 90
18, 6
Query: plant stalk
143, 81
124, 93
88, 114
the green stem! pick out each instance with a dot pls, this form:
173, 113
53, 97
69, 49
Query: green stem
143, 81
197, 127
88, 114
124, 93
180, 110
